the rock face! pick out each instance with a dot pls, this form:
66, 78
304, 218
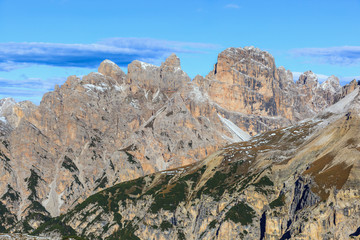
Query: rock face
167, 78
348, 88
109, 127
299, 182
254, 87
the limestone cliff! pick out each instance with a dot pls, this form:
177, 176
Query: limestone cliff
299, 182
110, 127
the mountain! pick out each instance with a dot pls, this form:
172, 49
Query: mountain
110, 127
298, 182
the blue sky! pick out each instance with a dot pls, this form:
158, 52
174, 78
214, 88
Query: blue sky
44, 41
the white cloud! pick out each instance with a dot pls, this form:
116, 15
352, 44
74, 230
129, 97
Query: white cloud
344, 55
120, 50
28, 88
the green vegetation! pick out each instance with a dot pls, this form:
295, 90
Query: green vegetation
215, 185
278, 202
181, 235
6, 144
11, 194
6, 218
169, 198
262, 184
4, 157
130, 158
126, 233
109, 198
194, 177
102, 182
165, 225
69, 164
32, 182
73, 237
55, 224
77, 180
94, 141
213, 224
240, 213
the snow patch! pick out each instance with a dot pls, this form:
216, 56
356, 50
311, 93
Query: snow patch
107, 61
91, 87
239, 135
119, 88
156, 95
3, 119
147, 65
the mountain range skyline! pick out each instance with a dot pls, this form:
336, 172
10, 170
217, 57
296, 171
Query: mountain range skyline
50, 40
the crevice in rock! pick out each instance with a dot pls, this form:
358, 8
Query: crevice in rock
262, 226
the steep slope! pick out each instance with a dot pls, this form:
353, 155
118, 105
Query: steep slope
103, 129
262, 93
299, 182
110, 127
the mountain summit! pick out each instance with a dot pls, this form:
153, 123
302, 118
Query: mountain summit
110, 127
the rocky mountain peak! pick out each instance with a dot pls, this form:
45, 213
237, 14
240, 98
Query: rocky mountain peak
168, 77
109, 127
309, 79
109, 68
247, 61
71, 81
172, 61
350, 87
6, 104
331, 84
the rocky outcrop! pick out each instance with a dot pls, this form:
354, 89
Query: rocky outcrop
299, 182
167, 78
110, 69
11, 112
109, 127
94, 132
350, 87
254, 87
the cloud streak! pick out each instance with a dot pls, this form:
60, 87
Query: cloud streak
120, 50
28, 88
343, 56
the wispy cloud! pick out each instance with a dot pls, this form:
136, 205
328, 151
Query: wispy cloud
120, 50
346, 80
28, 88
235, 6
344, 56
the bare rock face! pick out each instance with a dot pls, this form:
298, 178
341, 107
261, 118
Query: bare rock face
350, 87
167, 78
299, 182
11, 112
331, 84
94, 132
109, 127
110, 69
254, 87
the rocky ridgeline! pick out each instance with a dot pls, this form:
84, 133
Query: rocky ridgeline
109, 127
299, 182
